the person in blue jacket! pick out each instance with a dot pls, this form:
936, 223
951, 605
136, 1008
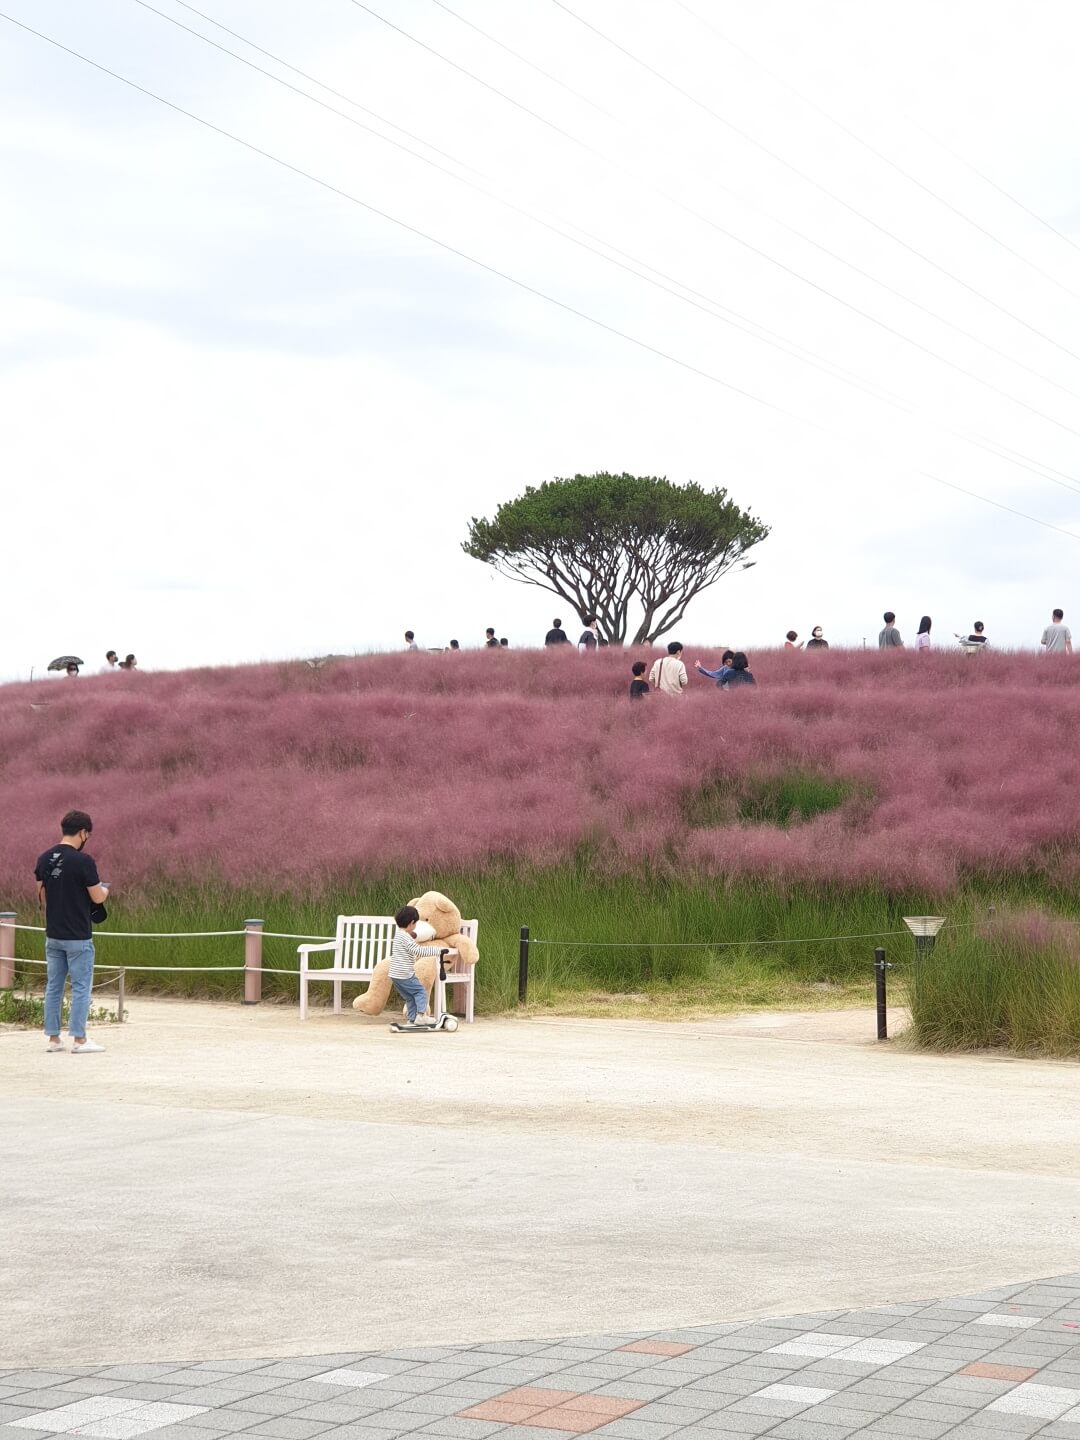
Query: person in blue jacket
718, 675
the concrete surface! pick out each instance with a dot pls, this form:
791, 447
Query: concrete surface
228, 1182
1002, 1363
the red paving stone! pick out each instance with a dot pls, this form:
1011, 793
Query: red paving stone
501, 1410
985, 1371
577, 1422
657, 1347
568, 1410
543, 1399
610, 1405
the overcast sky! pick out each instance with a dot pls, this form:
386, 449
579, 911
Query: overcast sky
245, 417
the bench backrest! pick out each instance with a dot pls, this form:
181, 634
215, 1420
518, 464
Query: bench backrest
362, 941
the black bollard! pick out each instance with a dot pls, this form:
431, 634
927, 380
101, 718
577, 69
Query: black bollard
879, 985
523, 966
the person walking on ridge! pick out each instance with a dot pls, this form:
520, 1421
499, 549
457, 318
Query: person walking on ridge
69, 888
668, 674
410, 641
556, 635
1057, 637
817, 641
922, 639
889, 638
791, 640
490, 642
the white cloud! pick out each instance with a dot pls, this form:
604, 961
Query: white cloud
260, 416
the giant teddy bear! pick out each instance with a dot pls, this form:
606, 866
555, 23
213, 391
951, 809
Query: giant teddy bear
444, 919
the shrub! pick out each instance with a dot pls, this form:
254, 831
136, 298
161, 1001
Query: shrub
1013, 983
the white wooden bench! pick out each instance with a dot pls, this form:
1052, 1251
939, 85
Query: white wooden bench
360, 942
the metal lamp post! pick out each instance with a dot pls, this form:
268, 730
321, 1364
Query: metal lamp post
925, 929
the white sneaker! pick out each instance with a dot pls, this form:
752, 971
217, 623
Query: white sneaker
54, 1047
88, 1047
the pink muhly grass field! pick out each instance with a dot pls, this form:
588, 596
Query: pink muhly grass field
277, 775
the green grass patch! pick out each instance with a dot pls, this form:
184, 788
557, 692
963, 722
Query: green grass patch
789, 798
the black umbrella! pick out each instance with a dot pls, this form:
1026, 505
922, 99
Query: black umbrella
63, 661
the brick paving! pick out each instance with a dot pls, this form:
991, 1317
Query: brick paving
1000, 1365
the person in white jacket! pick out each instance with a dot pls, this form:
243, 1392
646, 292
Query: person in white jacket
668, 674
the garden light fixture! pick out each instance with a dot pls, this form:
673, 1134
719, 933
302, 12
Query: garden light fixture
925, 929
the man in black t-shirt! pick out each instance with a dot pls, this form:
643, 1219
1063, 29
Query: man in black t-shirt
556, 635
69, 888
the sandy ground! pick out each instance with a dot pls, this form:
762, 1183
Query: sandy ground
230, 1182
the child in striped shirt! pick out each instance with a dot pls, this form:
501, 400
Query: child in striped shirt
404, 953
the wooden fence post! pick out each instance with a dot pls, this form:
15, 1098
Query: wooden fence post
7, 949
252, 961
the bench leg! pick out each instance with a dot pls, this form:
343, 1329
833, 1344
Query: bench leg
303, 995
337, 997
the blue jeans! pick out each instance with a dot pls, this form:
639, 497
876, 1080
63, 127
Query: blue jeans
66, 959
413, 993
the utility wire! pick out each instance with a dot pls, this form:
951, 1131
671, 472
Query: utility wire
480, 264
524, 59
711, 307
987, 180
873, 150
304, 75
809, 179
771, 259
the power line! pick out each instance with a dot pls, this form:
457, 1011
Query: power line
481, 264
817, 184
711, 307
873, 150
770, 259
304, 75
524, 59
987, 180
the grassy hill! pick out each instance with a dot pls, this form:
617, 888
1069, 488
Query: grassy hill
846, 789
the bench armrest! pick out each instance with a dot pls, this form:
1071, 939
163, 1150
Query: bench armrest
305, 950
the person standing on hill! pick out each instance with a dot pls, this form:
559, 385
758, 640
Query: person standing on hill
69, 888
722, 673
739, 673
410, 641
111, 662
668, 674
1057, 637
791, 640
639, 686
556, 635
976, 640
590, 636
817, 640
889, 638
490, 642
922, 639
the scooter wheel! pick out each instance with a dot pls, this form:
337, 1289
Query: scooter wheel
449, 1022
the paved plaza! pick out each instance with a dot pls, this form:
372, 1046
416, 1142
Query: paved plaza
234, 1223
1002, 1363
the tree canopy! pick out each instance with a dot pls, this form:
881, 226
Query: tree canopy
608, 543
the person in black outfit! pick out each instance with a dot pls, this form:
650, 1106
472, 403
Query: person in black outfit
490, 642
69, 888
556, 635
739, 674
817, 641
639, 686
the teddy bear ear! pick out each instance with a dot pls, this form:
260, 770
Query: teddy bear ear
443, 904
